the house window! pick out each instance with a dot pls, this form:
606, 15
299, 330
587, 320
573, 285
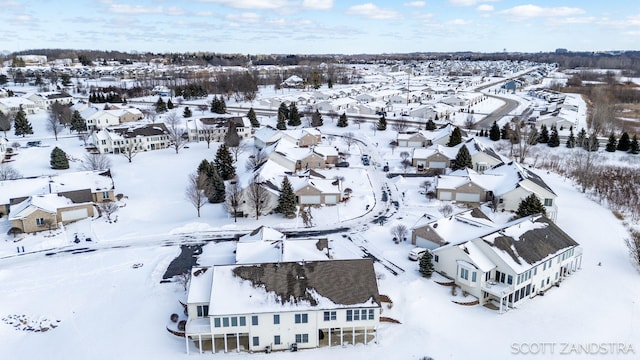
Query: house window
276, 319
356, 315
487, 276
254, 320
473, 276
329, 315
302, 338
301, 318
464, 273
349, 315
436, 258
276, 340
243, 321
216, 322
234, 321
256, 341
509, 279
40, 221
225, 321
371, 314
548, 202
203, 310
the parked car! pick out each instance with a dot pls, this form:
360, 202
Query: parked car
343, 164
33, 143
416, 253
365, 160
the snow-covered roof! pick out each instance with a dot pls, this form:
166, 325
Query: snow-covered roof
200, 284
263, 233
49, 203
289, 286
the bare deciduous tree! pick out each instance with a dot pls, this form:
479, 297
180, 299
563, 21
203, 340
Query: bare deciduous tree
175, 132
207, 134
400, 125
96, 162
195, 191
237, 150
349, 139
633, 244
469, 122
53, 125
399, 232
255, 159
8, 172
108, 208
234, 199
258, 196
359, 121
522, 137
129, 150
446, 209
5, 122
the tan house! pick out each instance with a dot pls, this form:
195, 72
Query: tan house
316, 191
460, 189
434, 160
46, 212
303, 137
413, 140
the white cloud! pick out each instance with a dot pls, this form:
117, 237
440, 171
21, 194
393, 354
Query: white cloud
127, 9
459, 22
250, 4
415, 3
468, 2
318, 4
244, 18
372, 11
485, 8
532, 11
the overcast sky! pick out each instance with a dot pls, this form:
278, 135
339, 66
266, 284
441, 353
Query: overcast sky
320, 26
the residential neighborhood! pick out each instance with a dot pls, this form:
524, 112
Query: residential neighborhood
412, 203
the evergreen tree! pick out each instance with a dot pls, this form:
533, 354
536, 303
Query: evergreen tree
77, 122
294, 116
343, 121
283, 111
382, 123
455, 138
161, 106
582, 138
463, 159
187, 112
253, 118
59, 159
430, 125
634, 147
282, 122
169, 104
612, 144
554, 138
287, 199
426, 264
624, 142
592, 143
571, 140
505, 132
531, 205
543, 138
21, 125
494, 132
224, 163
218, 191
218, 105
316, 119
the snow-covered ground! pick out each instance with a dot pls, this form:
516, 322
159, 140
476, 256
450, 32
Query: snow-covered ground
107, 302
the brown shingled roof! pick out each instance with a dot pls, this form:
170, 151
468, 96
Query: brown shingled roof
345, 282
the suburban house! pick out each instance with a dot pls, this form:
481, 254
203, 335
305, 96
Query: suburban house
316, 191
45, 212
293, 81
81, 187
482, 157
266, 136
99, 118
433, 233
434, 160
44, 100
518, 261
265, 244
413, 140
303, 137
14, 103
4, 145
293, 157
215, 128
282, 306
122, 140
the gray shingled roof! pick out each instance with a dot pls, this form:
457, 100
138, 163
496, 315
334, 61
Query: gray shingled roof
345, 282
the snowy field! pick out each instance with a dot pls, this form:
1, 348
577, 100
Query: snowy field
104, 300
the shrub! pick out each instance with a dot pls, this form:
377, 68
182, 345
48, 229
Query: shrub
174, 318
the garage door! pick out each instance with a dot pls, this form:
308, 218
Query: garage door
330, 199
310, 199
72, 215
415, 144
437, 164
468, 197
445, 195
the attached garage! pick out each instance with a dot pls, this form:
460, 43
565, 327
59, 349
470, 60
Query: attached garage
414, 144
310, 199
437, 164
331, 199
468, 197
445, 195
76, 214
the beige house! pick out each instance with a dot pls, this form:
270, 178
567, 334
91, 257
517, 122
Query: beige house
303, 137
434, 160
46, 212
460, 189
413, 140
316, 191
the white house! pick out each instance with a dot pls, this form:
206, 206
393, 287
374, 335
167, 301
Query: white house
120, 140
511, 264
283, 305
44, 100
4, 145
14, 103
